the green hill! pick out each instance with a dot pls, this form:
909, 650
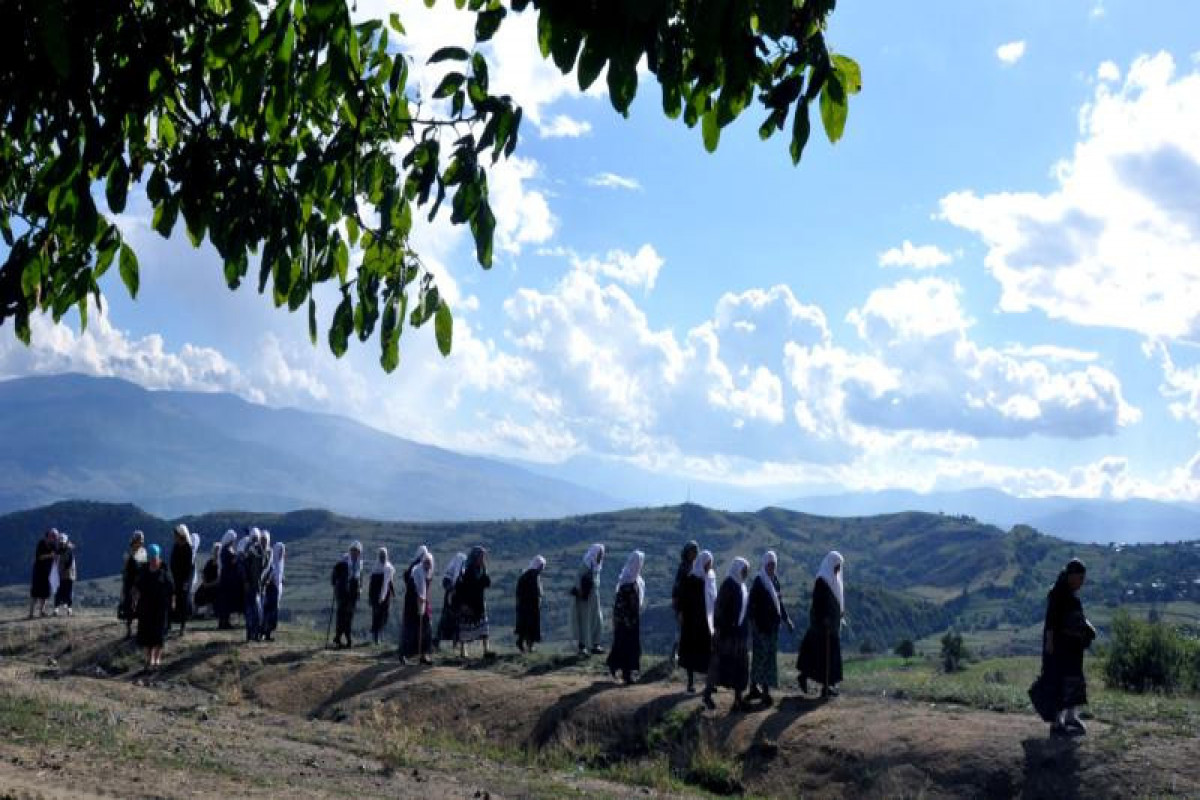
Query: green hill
908, 575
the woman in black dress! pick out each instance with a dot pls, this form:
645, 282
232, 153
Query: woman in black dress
529, 605
472, 608
183, 566
206, 592
626, 653
1066, 634
155, 595
767, 613
447, 630
229, 582
44, 556
821, 650
697, 599
730, 667
380, 591
135, 562
686, 558
418, 613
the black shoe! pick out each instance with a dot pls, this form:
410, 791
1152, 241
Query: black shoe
803, 681
1058, 730
754, 694
1075, 727
767, 700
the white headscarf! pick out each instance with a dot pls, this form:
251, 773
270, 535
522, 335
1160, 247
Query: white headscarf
278, 555
355, 564
769, 557
383, 566
833, 579
739, 570
702, 568
216, 555
422, 551
422, 574
632, 573
537, 562
593, 558
229, 538
195, 537
455, 567
242, 544
266, 539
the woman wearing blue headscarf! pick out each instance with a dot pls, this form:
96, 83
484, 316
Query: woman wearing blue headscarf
155, 596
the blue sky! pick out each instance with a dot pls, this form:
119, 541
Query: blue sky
731, 318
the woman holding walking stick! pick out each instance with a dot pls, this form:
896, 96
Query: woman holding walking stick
821, 651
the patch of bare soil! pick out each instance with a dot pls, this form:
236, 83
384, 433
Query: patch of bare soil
224, 718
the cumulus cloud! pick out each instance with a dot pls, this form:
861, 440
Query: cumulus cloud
611, 180
1108, 71
560, 126
523, 215
918, 257
1117, 242
637, 270
1011, 52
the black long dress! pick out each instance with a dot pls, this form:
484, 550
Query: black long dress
472, 608
206, 592
731, 645
43, 563
130, 571
695, 639
154, 592
182, 570
447, 629
418, 628
626, 653
529, 607
821, 650
229, 588
1062, 670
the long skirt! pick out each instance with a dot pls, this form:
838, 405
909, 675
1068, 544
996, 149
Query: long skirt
447, 630
626, 654
586, 622
820, 657
379, 617
1063, 676
182, 611
152, 626
345, 618
472, 626
65, 596
417, 637
764, 665
270, 618
730, 665
39, 587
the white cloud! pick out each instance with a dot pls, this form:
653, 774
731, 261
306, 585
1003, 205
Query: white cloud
918, 257
910, 310
523, 214
637, 270
1108, 71
1011, 52
1117, 243
1180, 386
611, 180
560, 126
1050, 352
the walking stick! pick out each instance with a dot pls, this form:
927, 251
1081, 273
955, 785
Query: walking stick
329, 623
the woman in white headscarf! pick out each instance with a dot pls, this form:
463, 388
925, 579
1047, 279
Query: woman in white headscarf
447, 630
626, 653
64, 594
766, 613
470, 603
417, 628
135, 562
587, 622
529, 605
730, 667
273, 590
697, 599
182, 564
347, 586
821, 650
229, 585
380, 591
210, 576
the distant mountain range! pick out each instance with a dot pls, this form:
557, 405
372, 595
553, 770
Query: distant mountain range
1078, 520
172, 453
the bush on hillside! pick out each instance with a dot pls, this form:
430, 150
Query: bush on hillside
954, 653
1149, 656
906, 648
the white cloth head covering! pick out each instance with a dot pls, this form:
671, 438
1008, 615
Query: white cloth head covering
243, 543
594, 558
266, 538
537, 562
182, 530
195, 538
702, 568
278, 556
632, 573
739, 570
455, 567
833, 579
422, 574
355, 564
229, 538
769, 557
384, 567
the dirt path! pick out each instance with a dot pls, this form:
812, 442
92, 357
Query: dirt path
237, 721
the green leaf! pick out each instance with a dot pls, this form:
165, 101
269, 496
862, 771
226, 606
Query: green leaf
287, 45
322, 11
449, 54
128, 266
622, 84
443, 328
591, 62
848, 73
116, 187
341, 259
833, 109
165, 214
389, 337
52, 32
487, 22
166, 131
711, 130
343, 323
483, 228
394, 22
801, 127
312, 319
451, 83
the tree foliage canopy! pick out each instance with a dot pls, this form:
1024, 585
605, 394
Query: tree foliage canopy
289, 136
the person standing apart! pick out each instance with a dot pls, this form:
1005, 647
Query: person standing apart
380, 591
64, 595
135, 562
697, 601
529, 605
273, 591
767, 613
587, 621
448, 621
1066, 634
155, 594
821, 650
626, 653
686, 558
183, 565
44, 557
347, 586
473, 625
730, 666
